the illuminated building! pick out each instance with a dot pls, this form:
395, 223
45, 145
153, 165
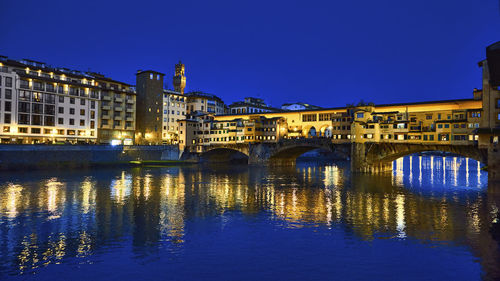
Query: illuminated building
250, 105
158, 110
42, 104
118, 107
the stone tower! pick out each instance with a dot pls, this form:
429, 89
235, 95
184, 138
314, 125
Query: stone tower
179, 78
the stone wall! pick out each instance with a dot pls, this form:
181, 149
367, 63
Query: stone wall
47, 156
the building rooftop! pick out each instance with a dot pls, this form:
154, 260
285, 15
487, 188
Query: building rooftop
36, 65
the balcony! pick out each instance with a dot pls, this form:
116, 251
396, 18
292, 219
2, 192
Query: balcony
24, 86
130, 101
106, 107
129, 119
39, 88
130, 110
105, 117
108, 98
118, 108
118, 117
118, 99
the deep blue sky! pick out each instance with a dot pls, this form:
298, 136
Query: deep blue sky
327, 53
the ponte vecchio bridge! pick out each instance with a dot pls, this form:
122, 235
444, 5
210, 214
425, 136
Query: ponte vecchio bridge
371, 136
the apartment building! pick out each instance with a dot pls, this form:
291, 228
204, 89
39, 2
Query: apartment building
117, 106
42, 104
250, 105
203, 130
174, 110
205, 103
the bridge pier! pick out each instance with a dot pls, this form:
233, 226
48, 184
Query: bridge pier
493, 164
361, 160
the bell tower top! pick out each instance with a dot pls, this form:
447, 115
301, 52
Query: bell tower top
179, 79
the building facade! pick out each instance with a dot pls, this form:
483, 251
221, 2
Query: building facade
42, 104
149, 87
117, 120
174, 110
204, 103
250, 105
159, 110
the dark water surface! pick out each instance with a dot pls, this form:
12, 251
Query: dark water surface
433, 218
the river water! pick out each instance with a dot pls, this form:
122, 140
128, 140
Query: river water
432, 218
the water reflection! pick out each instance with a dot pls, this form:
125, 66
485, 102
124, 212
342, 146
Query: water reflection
438, 200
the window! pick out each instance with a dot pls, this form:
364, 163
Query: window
309, 117
60, 121
49, 98
6, 129
48, 120
24, 119
61, 99
37, 108
8, 106
440, 126
37, 97
24, 95
82, 122
49, 109
36, 120
6, 118
439, 116
8, 94
82, 102
72, 121
8, 82
61, 110
72, 100
92, 104
92, 124
23, 130
82, 112
72, 111
92, 114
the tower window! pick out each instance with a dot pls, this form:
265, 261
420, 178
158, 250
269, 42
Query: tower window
151, 76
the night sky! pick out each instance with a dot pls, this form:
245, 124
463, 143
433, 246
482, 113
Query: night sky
327, 53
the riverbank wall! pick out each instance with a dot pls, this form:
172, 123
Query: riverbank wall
74, 156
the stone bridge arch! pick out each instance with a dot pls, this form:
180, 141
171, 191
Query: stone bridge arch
225, 153
289, 150
378, 157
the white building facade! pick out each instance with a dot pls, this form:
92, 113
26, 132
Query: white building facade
39, 104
